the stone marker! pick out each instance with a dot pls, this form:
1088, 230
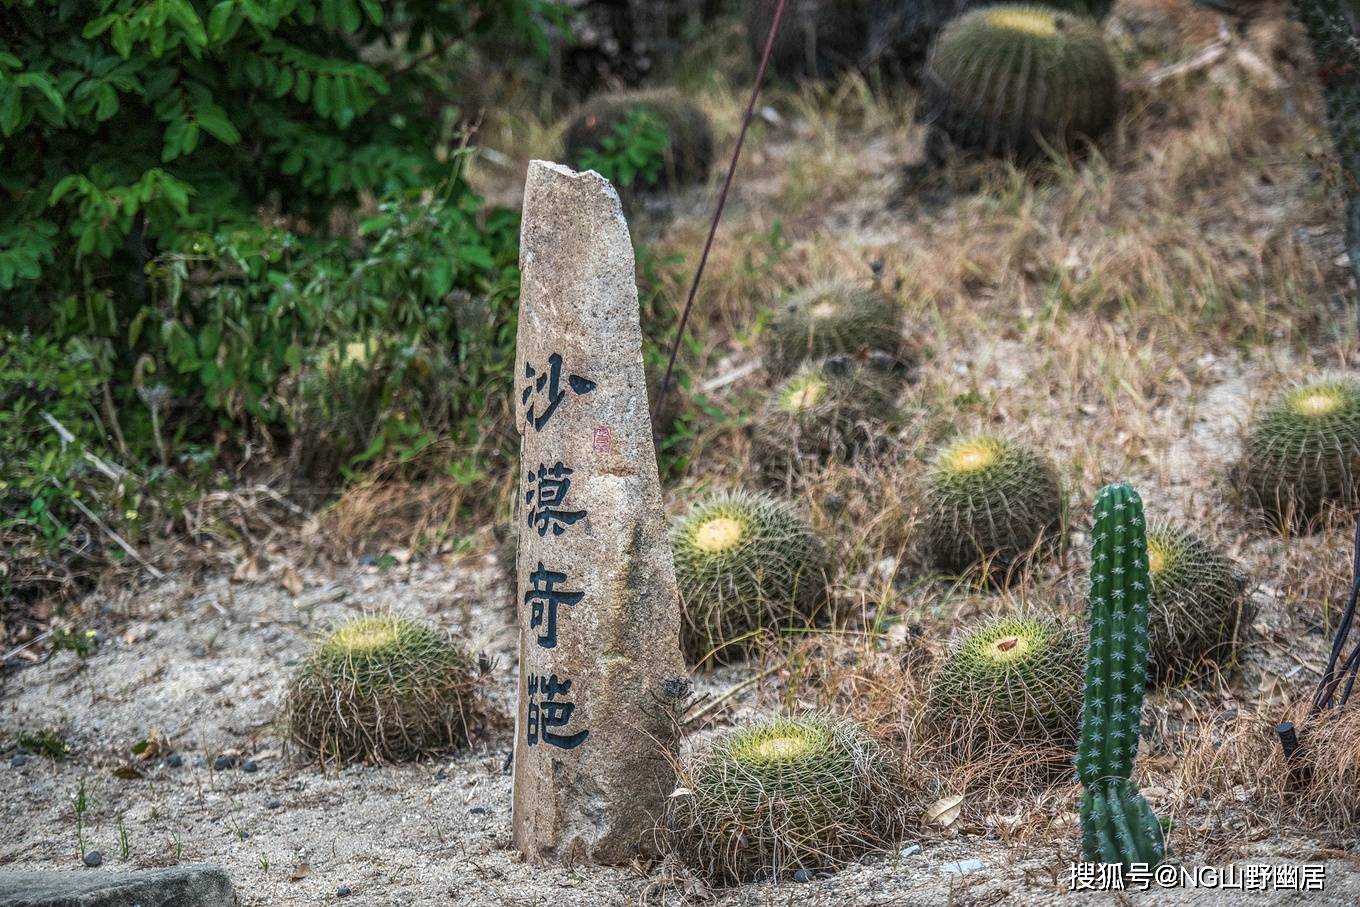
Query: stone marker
599, 654
178, 886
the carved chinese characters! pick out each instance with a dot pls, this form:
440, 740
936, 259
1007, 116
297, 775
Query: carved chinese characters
598, 611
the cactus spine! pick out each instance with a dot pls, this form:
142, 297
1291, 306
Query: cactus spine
1117, 825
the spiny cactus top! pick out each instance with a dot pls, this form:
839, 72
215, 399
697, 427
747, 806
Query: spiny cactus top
832, 318
785, 795
1301, 449
1008, 79
989, 499
1117, 654
823, 412
743, 562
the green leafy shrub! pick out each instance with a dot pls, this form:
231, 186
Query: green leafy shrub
786, 795
651, 139
183, 181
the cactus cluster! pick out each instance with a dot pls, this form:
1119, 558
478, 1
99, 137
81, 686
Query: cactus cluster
382, 688
1013, 79
835, 318
822, 413
989, 501
785, 795
744, 563
1011, 680
1117, 825
1301, 452
688, 152
1197, 607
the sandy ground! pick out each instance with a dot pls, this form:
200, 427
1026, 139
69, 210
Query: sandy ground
203, 666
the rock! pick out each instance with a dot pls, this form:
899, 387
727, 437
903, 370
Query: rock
249, 767
174, 760
93, 858
599, 612
272, 803
342, 891
478, 811
802, 875
178, 886
18, 760
224, 762
963, 867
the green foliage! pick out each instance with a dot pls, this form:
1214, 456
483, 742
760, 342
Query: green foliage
829, 319
656, 139
182, 179
822, 413
1011, 680
1012, 79
382, 688
46, 743
42, 472
635, 147
785, 795
82, 642
1197, 609
1301, 451
990, 502
744, 563
1117, 825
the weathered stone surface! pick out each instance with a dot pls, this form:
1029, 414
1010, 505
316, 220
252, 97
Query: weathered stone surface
598, 609
178, 886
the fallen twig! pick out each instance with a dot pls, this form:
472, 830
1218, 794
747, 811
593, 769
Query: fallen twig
719, 700
118, 539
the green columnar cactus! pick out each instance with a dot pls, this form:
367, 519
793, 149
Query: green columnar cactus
1117, 825
1012, 79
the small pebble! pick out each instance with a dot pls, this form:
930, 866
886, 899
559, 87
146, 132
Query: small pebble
222, 763
963, 866
18, 760
249, 767
802, 875
93, 858
271, 803
478, 810
909, 851
342, 891
174, 760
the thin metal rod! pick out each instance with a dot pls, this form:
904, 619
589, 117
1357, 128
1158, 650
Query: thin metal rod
1322, 698
722, 202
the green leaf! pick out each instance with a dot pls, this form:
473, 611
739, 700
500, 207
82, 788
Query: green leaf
214, 121
174, 139
218, 19
187, 18
108, 103
96, 27
121, 38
